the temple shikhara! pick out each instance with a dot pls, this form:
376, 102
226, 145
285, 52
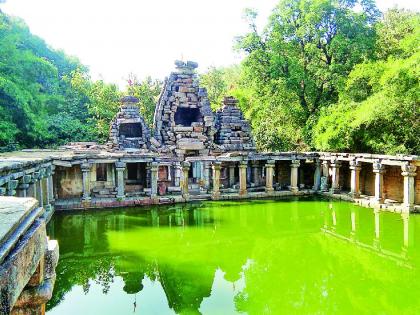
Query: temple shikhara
190, 153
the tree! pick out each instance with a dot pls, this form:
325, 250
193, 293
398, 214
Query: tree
378, 109
147, 91
307, 49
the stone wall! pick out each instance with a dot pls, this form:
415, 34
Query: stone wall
367, 180
393, 183
345, 176
282, 173
306, 174
68, 182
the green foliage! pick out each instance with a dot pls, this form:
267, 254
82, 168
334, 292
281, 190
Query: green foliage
219, 82
34, 106
305, 54
378, 109
147, 92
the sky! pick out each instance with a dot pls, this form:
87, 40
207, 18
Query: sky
145, 37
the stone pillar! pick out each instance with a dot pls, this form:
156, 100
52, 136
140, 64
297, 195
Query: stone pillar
184, 180
48, 193
243, 165
256, 173
269, 172
335, 178
379, 170
38, 187
120, 168
355, 168
178, 171
207, 175
85, 167
216, 180
317, 175
294, 175
325, 176
50, 183
32, 185
232, 175
22, 189
154, 179
409, 173
11, 187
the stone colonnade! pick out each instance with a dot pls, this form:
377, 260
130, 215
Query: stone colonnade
35, 182
331, 172
359, 176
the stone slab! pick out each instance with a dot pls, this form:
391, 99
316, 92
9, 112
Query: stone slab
16, 216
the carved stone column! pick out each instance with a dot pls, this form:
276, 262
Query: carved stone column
50, 184
85, 167
256, 178
11, 187
243, 165
154, 179
335, 178
22, 189
184, 179
32, 185
120, 168
325, 176
207, 175
294, 175
178, 171
232, 175
409, 173
317, 175
48, 193
379, 170
269, 173
355, 167
216, 180
38, 187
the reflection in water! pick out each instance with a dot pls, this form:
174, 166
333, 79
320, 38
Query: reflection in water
256, 257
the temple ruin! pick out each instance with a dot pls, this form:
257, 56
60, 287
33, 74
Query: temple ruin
190, 154
193, 153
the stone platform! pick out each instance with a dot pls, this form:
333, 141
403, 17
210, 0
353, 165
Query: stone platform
27, 258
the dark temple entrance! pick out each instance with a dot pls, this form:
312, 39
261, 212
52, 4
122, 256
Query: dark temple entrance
186, 116
131, 130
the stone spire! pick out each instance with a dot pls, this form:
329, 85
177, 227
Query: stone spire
233, 130
128, 129
183, 119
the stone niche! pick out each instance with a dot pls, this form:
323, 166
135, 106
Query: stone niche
128, 129
233, 130
183, 119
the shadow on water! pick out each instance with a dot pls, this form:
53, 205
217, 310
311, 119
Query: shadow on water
286, 256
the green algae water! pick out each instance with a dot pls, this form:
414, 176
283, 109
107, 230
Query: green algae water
294, 256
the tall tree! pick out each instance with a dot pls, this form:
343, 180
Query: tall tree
307, 49
379, 108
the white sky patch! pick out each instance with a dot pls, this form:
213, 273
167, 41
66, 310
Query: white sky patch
114, 38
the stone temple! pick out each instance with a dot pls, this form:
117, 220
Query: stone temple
190, 153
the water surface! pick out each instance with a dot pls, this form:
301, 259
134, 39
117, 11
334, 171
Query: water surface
306, 256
